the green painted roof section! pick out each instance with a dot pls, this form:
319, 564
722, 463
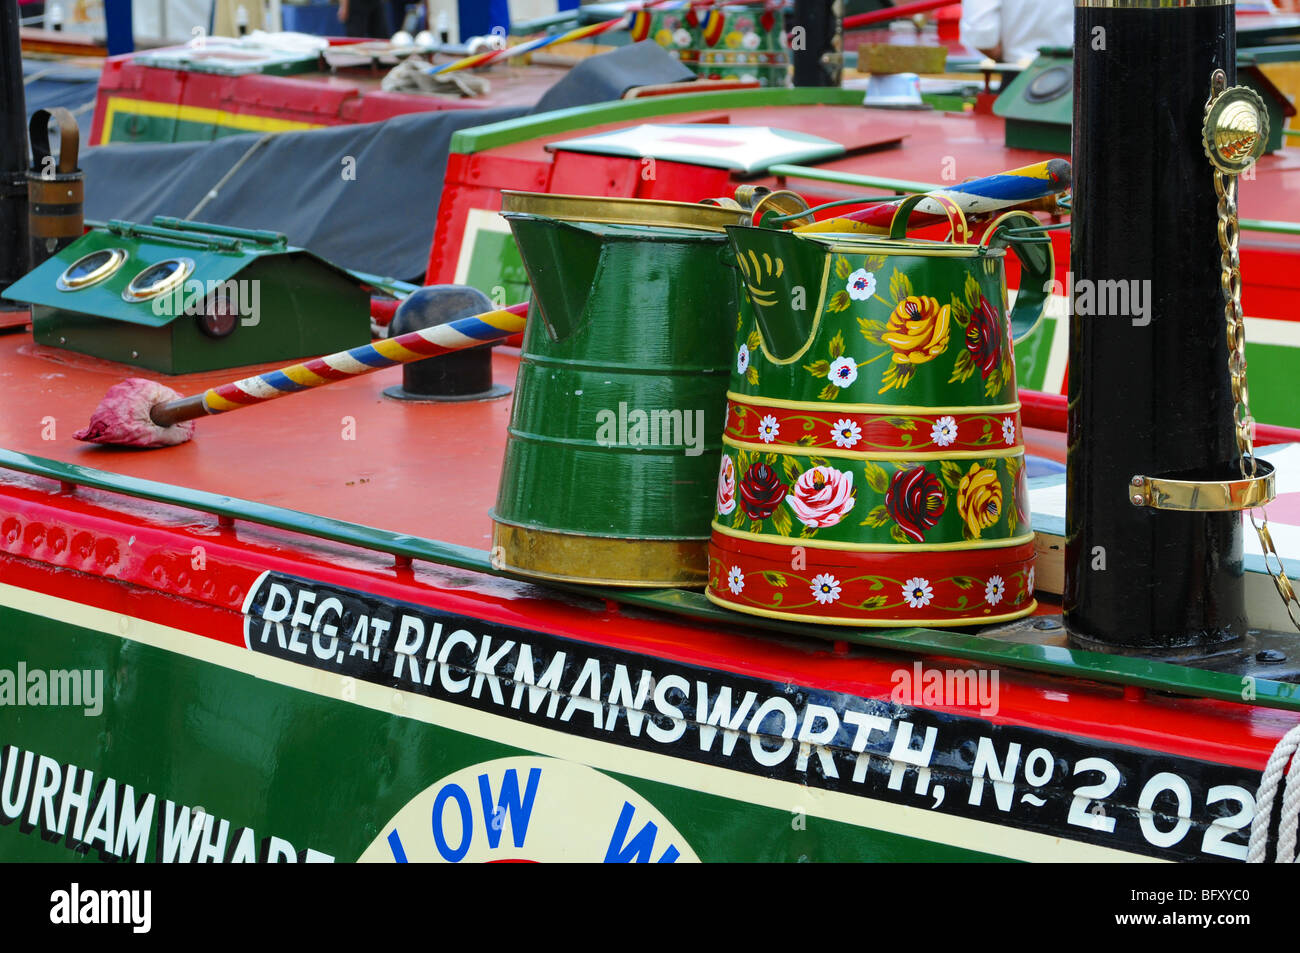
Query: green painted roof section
494, 135
1052, 660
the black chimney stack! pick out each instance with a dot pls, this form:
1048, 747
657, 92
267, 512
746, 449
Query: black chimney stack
1149, 387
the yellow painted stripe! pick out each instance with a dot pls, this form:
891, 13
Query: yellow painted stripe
884, 410
130, 106
217, 404
796, 450
389, 348
505, 320
301, 374
896, 548
784, 796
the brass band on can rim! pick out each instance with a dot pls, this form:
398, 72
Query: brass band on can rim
600, 560
603, 210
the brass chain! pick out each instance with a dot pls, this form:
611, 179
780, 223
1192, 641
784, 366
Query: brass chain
1225, 186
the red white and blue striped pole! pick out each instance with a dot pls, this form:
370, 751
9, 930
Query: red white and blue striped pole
142, 413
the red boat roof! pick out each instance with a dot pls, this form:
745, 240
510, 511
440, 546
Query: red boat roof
914, 145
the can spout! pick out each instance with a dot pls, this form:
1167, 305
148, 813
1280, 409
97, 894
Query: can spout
782, 286
561, 261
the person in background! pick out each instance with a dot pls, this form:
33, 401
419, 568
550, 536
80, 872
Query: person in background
1011, 31
365, 18
31, 13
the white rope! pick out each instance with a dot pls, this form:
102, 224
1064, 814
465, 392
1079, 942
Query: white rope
1290, 820
1264, 797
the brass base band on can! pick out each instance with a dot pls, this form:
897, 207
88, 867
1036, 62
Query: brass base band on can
600, 560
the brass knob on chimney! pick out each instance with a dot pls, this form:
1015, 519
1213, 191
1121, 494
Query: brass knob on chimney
1236, 129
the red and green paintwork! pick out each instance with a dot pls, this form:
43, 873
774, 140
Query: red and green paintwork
142, 103
722, 43
888, 332
344, 759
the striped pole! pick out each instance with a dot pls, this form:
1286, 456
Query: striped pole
403, 349
993, 193
572, 36
624, 21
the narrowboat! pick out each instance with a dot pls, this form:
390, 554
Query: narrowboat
750, 549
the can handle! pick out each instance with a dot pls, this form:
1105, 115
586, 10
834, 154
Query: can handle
69, 139
956, 217
1037, 268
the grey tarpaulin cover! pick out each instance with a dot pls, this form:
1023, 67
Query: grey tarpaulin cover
610, 75
380, 222
49, 84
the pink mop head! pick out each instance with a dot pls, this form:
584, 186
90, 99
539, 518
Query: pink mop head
122, 417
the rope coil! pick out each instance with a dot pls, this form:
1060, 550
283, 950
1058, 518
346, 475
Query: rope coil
1269, 782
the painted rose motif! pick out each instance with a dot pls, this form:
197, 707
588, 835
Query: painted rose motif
682, 37
984, 338
994, 589
822, 496
861, 285
742, 360
750, 41
915, 500
768, 428
735, 580
761, 491
918, 592
979, 499
917, 330
1009, 430
825, 588
843, 372
944, 432
726, 486
846, 433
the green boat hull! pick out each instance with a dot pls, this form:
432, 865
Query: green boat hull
307, 772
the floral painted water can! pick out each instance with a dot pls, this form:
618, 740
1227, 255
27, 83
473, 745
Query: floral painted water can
677, 30
873, 457
744, 42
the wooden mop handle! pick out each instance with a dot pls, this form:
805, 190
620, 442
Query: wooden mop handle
403, 349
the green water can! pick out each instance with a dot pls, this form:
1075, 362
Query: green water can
873, 462
615, 434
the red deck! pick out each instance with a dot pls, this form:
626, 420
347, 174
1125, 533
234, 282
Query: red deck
425, 469
292, 453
